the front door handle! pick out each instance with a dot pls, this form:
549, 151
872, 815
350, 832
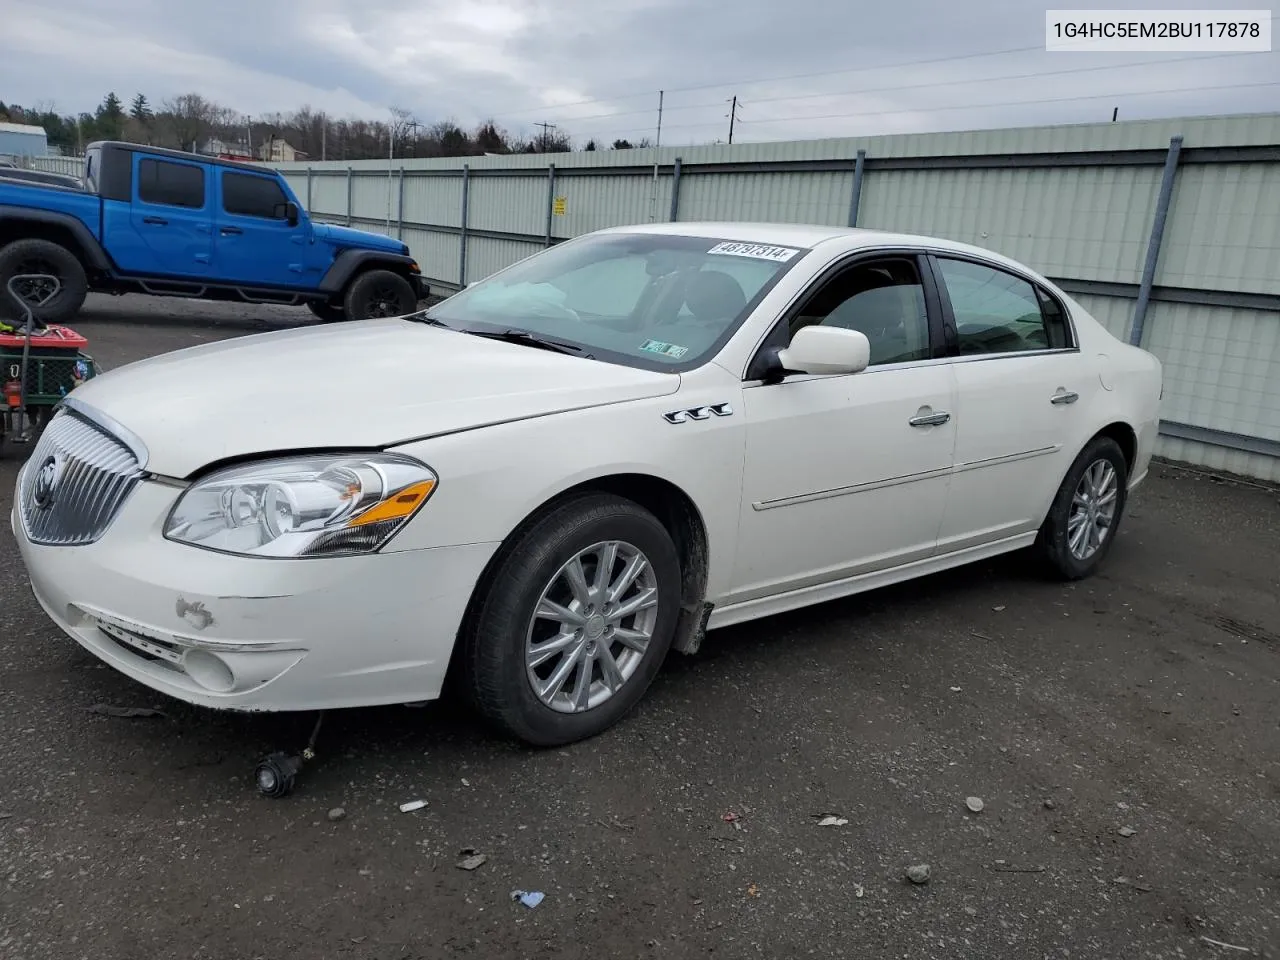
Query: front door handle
1064, 396
229, 231
158, 221
930, 419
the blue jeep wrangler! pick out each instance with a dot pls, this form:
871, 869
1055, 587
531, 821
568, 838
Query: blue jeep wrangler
167, 223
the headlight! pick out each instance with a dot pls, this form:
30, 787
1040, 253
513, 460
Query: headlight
302, 507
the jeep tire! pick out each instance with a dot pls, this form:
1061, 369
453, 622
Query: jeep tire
379, 293
43, 257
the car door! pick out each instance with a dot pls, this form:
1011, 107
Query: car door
255, 244
172, 216
847, 474
1022, 392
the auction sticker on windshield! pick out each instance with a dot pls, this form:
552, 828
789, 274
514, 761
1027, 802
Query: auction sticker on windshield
666, 349
759, 251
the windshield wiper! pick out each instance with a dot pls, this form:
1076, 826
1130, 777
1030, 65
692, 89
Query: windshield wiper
531, 340
424, 316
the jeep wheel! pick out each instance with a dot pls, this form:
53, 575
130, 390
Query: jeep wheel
42, 257
380, 293
327, 312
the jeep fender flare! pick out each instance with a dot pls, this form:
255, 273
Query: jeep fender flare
350, 262
95, 256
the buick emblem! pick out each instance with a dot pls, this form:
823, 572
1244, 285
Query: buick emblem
46, 483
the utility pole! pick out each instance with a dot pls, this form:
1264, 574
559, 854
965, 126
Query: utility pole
657, 143
404, 125
248, 130
545, 127
324, 135
733, 115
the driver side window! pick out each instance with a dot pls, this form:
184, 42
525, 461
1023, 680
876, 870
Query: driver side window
883, 299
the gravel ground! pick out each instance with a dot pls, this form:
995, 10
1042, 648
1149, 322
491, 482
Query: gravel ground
1123, 734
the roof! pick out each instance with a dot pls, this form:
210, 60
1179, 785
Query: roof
179, 155
29, 129
812, 235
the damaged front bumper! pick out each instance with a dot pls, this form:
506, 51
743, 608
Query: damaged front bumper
256, 634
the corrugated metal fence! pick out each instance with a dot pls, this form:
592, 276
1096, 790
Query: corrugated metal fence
1168, 231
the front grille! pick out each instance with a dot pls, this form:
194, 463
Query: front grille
77, 479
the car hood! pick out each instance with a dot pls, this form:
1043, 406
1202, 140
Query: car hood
361, 239
356, 385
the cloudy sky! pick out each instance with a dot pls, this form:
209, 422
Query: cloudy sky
801, 68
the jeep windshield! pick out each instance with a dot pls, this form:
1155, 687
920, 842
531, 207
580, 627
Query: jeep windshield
658, 301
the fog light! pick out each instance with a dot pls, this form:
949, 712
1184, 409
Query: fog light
209, 670
275, 774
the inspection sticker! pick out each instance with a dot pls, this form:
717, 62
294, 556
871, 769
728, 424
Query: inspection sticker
759, 251
666, 349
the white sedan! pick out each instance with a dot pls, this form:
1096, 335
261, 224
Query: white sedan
554, 477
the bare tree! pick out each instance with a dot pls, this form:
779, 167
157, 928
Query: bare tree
191, 118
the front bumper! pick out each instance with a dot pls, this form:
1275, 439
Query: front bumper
255, 634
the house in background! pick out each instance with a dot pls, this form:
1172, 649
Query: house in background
279, 150
23, 140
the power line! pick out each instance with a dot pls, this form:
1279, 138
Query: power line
893, 88
1012, 103
999, 103
746, 83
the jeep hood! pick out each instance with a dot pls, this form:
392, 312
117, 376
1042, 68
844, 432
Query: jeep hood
354, 385
343, 237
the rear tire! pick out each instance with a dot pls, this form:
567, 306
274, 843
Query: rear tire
1081, 524
502, 637
43, 256
379, 293
326, 312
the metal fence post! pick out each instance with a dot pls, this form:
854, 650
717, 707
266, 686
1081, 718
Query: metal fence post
400, 206
348, 196
308, 189
675, 191
551, 198
1157, 237
462, 236
859, 164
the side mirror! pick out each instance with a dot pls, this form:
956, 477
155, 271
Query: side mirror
291, 213
826, 350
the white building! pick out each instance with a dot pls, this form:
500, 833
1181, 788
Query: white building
23, 140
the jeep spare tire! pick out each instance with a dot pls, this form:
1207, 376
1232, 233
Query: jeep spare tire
49, 302
379, 293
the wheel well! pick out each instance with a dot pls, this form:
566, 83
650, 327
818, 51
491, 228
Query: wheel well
673, 509
11, 230
1123, 435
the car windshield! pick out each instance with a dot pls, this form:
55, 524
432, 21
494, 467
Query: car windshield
658, 301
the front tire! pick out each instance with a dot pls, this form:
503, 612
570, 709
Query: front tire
43, 257
574, 623
379, 293
1081, 525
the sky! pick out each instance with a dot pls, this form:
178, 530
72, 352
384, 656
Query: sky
801, 68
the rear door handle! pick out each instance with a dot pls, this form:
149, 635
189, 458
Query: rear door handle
158, 221
228, 231
930, 419
1064, 396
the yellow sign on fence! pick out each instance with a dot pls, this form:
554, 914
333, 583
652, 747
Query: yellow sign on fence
557, 206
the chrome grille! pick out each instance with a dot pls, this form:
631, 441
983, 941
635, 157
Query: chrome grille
77, 479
